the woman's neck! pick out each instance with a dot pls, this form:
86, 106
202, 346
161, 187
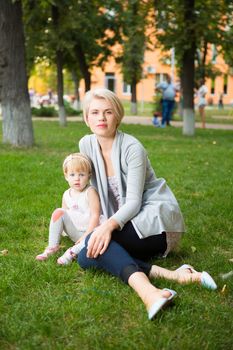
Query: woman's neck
105, 143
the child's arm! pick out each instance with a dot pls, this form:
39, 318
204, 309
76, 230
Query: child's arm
94, 205
64, 206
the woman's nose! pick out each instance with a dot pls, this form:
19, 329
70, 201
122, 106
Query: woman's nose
102, 116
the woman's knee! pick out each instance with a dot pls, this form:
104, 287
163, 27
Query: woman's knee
82, 258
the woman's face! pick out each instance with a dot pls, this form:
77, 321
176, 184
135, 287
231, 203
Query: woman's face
101, 118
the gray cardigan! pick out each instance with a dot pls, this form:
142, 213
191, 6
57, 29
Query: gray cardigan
145, 200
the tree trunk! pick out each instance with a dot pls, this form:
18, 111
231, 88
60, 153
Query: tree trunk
134, 108
83, 67
16, 111
76, 90
188, 73
59, 63
60, 90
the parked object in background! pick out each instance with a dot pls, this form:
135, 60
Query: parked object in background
155, 119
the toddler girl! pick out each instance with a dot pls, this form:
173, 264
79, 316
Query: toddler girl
80, 212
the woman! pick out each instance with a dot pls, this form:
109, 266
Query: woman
144, 219
201, 94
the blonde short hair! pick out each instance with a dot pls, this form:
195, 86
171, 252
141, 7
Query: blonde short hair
107, 95
78, 162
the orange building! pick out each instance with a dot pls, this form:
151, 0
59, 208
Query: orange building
156, 66
154, 70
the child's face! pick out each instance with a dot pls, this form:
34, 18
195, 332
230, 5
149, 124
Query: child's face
77, 180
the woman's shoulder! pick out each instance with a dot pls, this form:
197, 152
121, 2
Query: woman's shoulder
87, 139
127, 140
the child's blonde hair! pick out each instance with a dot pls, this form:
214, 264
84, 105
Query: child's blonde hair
107, 95
78, 162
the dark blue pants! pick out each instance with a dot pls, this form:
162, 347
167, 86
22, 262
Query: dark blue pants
167, 108
124, 253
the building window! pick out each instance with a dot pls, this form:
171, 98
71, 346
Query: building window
110, 81
212, 90
159, 77
225, 79
126, 88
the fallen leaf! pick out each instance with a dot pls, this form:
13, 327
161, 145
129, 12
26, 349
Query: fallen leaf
223, 289
193, 249
4, 252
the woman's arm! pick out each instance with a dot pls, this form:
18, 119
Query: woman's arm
136, 159
101, 238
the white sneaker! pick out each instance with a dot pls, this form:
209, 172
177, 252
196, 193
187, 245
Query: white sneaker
66, 258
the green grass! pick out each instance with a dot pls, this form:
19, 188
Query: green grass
45, 306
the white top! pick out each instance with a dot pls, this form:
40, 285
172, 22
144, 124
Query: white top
144, 199
201, 93
78, 208
114, 191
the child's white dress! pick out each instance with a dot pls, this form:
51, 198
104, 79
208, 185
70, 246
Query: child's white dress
78, 209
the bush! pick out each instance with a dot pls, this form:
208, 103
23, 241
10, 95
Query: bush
44, 112
70, 111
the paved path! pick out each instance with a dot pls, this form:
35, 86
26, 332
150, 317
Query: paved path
145, 121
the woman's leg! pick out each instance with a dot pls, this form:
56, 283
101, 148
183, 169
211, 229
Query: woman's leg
202, 114
119, 263
148, 293
181, 276
115, 260
142, 249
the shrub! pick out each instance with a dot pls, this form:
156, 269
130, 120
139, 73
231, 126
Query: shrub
44, 111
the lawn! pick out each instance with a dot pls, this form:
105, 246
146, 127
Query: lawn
46, 306
213, 114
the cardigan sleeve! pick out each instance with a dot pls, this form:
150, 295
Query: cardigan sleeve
136, 163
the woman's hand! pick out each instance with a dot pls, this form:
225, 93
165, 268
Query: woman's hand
100, 238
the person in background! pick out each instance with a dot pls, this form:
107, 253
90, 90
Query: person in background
201, 96
220, 101
169, 91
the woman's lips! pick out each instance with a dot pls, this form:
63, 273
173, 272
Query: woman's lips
102, 125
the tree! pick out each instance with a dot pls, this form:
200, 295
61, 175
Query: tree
76, 35
190, 26
134, 45
16, 112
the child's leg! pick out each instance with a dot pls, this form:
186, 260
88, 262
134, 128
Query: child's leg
70, 254
56, 227
60, 221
